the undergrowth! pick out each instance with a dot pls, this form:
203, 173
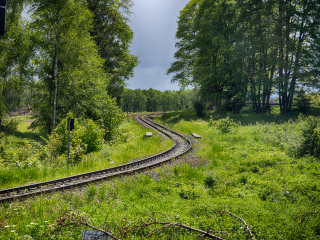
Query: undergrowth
253, 171
29, 161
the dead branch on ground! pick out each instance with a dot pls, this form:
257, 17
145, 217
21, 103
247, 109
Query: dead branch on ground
242, 220
149, 224
305, 220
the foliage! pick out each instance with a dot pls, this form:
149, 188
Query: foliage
302, 101
109, 117
69, 68
190, 191
314, 99
235, 51
17, 154
52, 150
200, 109
311, 137
225, 125
113, 35
44, 161
15, 52
241, 162
152, 100
210, 182
9, 126
85, 138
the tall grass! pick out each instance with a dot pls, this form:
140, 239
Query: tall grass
247, 172
136, 147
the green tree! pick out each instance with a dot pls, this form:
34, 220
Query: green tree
15, 53
185, 55
70, 71
113, 35
234, 51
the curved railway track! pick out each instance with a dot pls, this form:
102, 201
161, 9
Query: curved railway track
181, 145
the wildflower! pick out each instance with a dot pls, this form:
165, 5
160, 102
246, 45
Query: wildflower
7, 226
14, 225
13, 231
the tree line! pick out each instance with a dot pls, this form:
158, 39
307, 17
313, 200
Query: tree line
235, 51
156, 101
67, 56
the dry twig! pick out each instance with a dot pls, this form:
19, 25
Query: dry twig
73, 218
305, 219
152, 220
242, 220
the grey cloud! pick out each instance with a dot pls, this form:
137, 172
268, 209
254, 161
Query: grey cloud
154, 25
151, 77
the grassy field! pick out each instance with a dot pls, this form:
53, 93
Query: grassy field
135, 147
252, 172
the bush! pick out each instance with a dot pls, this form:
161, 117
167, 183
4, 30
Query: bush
110, 117
87, 137
224, 124
20, 154
52, 149
9, 126
190, 191
210, 182
199, 107
302, 101
311, 137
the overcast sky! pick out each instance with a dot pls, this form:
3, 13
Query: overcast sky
154, 23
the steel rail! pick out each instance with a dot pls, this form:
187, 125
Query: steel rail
99, 175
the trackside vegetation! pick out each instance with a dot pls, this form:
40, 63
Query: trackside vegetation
27, 159
253, 171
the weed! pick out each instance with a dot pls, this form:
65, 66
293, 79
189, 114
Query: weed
225, 125
91, 191
210, 182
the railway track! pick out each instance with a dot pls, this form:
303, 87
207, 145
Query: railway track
181, 145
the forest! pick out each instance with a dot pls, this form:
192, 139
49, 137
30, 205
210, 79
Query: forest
66, 57
156, 101
235, 51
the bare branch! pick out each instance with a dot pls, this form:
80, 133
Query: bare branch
242, 220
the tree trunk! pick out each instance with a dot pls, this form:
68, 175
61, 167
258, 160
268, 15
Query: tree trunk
55, 75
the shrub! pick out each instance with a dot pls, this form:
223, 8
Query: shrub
225, 124
190, 191
18, 155
52, 149
311, 137
302, 101
209, 182
87, 137
110, 117
9, 126
199, 107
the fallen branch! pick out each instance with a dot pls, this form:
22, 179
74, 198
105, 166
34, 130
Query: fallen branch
242, 220
149, 226
152, 220
73, 218
304, 221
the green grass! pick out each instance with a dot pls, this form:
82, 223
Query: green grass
252, 171
23, 132
136, 147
